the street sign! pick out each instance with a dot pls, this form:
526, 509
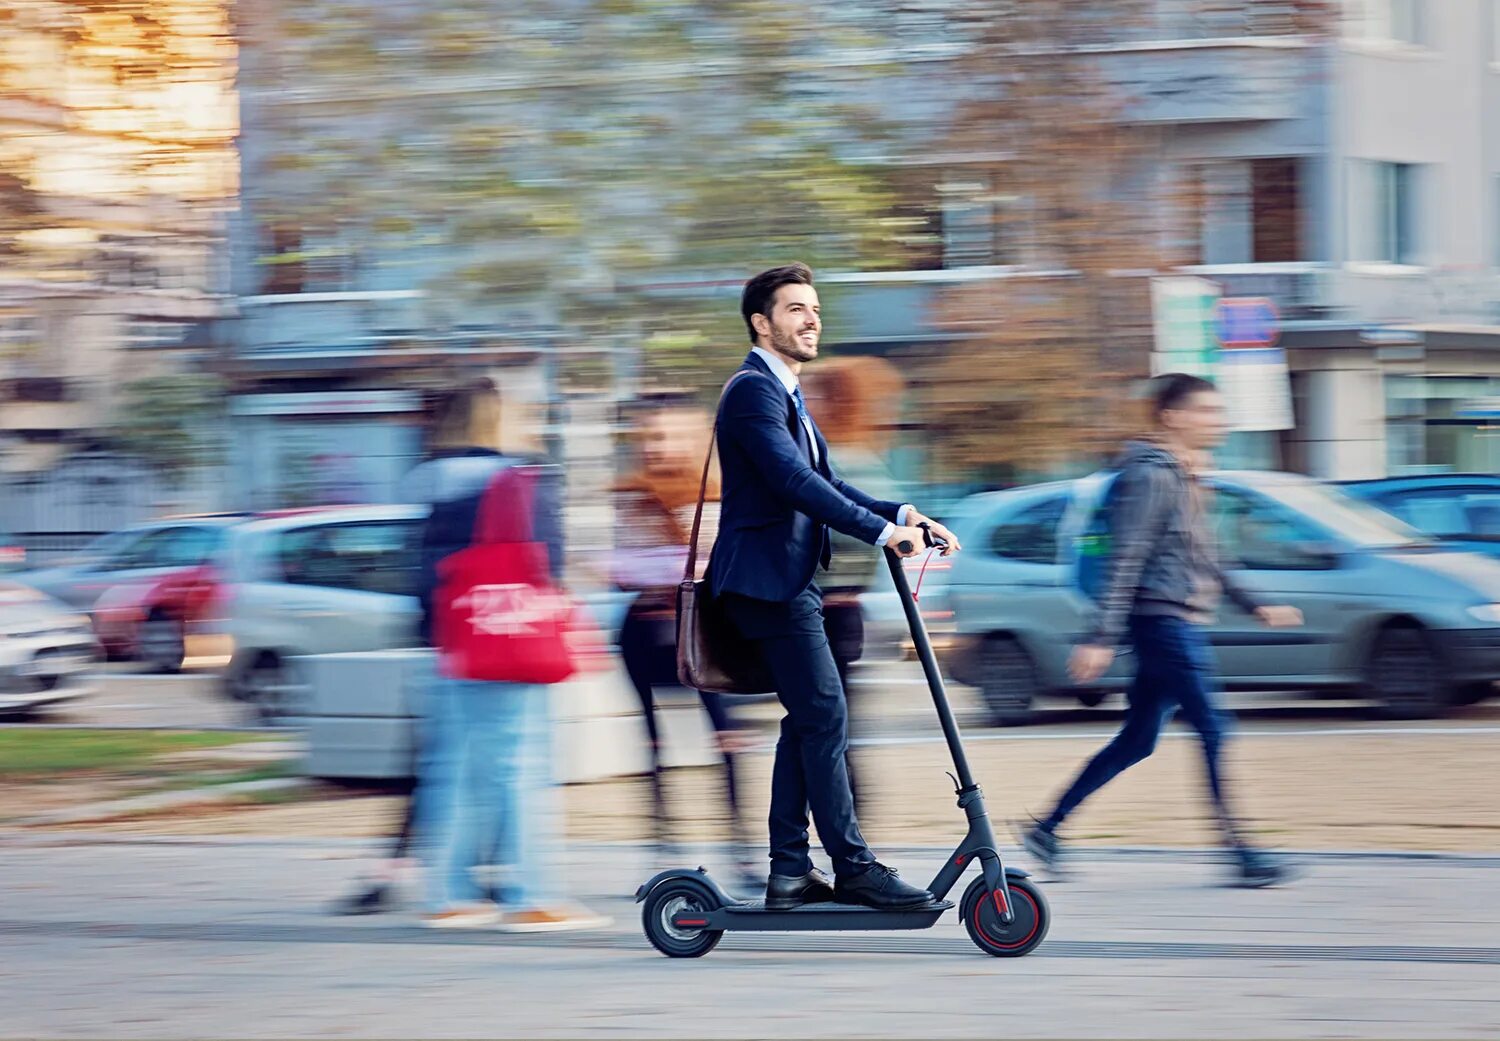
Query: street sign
1182, 309
1246, 321
1257, 388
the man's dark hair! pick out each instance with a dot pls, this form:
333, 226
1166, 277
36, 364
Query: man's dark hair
760, 291
1172, 391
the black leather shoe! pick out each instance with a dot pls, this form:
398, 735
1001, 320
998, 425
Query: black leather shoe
879, 887
784, 892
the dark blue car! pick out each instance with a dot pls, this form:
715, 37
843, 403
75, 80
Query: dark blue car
1460, 509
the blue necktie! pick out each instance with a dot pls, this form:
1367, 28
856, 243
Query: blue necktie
807, 423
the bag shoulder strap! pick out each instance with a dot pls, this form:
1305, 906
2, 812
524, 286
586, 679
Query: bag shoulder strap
505, 506
691, 571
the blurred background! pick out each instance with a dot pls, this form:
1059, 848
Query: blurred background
245, 245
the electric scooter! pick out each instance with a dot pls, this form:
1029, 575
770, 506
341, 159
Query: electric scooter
686, 913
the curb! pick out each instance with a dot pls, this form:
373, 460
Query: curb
214, 794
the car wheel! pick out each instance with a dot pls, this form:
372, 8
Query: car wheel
275, 690
1404, 676
161, 644
1007, 681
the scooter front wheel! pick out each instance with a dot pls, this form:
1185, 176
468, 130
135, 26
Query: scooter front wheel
1027, 928
671, 900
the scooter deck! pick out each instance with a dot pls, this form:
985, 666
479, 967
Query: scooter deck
820, 917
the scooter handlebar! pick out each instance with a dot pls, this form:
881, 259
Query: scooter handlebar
932, 541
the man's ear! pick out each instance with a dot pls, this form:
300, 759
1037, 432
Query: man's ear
761, 323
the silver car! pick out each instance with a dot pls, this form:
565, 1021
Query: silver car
316, 582
1389, 612
46, 651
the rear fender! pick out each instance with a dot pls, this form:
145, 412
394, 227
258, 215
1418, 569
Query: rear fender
697, 875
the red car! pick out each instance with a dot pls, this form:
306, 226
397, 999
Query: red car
154, 605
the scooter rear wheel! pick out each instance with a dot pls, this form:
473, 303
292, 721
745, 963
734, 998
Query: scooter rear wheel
669, 900
981, 915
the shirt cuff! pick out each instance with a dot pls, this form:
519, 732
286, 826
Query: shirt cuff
902, 512
885, 534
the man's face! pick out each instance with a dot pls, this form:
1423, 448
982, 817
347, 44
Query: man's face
794, 325
672, 440
1201, 422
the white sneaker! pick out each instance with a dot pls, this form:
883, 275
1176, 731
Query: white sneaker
558, 918
468, 916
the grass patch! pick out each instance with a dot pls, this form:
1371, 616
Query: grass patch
38, 753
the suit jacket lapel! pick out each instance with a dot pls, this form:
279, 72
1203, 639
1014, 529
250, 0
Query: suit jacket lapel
793, 423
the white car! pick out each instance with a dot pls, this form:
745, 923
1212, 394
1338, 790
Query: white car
46, 651
322, 581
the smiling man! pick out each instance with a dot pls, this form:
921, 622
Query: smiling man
780, 497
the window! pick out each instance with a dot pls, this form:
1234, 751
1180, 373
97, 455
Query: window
1260, 535
189, 547
1244, 211
1466, 512
980, 224
1495, 195
1401, 21
1031, 535
1383, 200
152, 549
370, 557
1275, 211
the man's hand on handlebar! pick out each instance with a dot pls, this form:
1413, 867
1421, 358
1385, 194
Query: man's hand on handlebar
906, 541
938, 532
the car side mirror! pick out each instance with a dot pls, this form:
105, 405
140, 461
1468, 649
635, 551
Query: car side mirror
1320, 556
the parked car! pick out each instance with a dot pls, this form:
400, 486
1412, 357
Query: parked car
320, 582
131, 553
147, 588
45, 651
1463, 510
1411, 623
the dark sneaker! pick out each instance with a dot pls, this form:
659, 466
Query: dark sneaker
879, 887
1256, 870
373, 900
1042, 845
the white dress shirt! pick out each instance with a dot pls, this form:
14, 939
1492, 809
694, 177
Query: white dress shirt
789, 380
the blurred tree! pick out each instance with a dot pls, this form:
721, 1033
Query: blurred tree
174, 422
1038, 379
552, 160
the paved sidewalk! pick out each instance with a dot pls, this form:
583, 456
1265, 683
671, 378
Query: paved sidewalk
135, 937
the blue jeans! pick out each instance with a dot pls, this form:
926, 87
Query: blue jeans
1174, 670
486, 791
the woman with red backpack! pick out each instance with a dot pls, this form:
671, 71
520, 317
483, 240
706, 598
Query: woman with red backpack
485, 784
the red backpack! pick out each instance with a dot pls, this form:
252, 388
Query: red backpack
497, 615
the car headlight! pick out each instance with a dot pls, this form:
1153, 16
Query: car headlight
1486, 613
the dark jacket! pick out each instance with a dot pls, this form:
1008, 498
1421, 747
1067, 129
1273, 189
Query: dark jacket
777, 507
453, 485
1162, 553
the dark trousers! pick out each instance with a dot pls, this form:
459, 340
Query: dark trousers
811, 768
1174, 671
648, 645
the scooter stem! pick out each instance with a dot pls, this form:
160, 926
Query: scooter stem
934, 676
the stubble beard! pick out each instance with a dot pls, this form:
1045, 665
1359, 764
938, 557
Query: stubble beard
792, 346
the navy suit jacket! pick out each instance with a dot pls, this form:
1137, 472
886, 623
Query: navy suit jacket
777, 507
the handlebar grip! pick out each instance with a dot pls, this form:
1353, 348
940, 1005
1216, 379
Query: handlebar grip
904, 546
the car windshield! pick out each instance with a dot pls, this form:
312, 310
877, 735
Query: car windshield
1353, 519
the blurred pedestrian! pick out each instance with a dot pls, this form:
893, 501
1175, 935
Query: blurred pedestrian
654, 517
1162, 586
859, 400
485, 794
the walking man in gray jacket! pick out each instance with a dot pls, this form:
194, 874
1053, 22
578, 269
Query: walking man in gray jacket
1163, 583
